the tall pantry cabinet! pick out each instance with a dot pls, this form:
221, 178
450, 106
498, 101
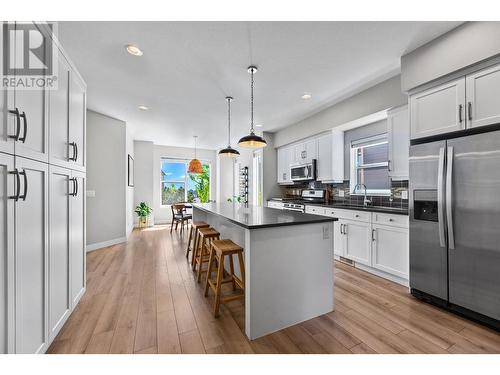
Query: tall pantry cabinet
42, 209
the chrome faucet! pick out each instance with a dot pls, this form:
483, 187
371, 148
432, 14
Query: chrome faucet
366, 201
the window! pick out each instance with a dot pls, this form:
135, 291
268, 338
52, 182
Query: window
369, 165
179, 186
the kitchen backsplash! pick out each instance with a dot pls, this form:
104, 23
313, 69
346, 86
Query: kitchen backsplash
335, 196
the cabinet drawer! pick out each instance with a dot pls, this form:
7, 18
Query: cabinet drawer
392, 220
348, 214
315, 210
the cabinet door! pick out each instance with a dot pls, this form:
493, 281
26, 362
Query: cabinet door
59, 117
310, 150
33, 106
77, 118
7, 119
78, 255
338, 238
391, 250
31, 252
59, 248
438, 110
483, 97
6, 254
398, 127
324, 164
281, 165
357, 241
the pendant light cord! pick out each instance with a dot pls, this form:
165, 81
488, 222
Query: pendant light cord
228, 122
251, 102
195, 138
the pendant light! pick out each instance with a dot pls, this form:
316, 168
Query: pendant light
229, 151
195, 166
252, 140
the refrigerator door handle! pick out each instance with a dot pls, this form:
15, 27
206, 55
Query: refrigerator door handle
449, 197
440, 197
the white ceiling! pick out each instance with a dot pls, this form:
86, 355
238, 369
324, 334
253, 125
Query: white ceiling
189, 67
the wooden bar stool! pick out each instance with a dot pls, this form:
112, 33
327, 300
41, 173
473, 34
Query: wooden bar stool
219, 250
193, 235
207, 235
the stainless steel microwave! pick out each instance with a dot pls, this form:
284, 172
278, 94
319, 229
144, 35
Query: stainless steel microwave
303, 172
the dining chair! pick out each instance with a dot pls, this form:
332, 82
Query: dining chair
179, 215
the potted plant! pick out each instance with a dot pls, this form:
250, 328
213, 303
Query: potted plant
143, 211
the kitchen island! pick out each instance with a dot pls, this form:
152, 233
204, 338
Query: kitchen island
288, 262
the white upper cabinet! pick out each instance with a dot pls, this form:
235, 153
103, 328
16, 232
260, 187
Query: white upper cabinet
330, 162
398, 130
438, 110
305, 151
483, 97
284, 161
59, 116
32, 119
77, 118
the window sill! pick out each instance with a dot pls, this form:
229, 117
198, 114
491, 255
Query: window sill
371, 194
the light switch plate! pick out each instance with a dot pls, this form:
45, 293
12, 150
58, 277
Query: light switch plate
404, 194
90, 193
326, 233
341, 193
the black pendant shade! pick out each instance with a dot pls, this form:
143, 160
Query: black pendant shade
229, 152
252, 140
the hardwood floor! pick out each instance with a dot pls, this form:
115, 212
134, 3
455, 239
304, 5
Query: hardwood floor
142, 297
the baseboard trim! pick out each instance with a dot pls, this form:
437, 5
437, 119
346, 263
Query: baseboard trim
100, 245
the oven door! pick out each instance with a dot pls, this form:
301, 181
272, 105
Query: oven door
301, 172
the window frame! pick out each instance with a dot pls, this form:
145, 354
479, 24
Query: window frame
354, 167
186, 176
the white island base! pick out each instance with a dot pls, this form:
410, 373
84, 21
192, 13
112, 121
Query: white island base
288, 270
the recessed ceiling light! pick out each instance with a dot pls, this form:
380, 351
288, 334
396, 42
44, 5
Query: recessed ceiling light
258, 125
306, 96
143, 107
133, 50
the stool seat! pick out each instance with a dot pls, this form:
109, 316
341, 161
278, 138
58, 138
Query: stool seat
208, 232
193, 235
226, 247
218, 251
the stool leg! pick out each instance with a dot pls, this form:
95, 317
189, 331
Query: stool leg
196, 251
231, 269
195, 247
220, 275
200, 258
189, 243
242, 268
209, 272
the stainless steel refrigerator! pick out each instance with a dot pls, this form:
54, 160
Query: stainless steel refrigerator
455, 224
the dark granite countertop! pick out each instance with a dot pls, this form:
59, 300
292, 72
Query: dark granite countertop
253, 217
381, 209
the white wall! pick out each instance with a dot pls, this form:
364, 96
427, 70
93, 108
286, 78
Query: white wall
144, 177
106, 175
385, 95
459, 48
225, 183
129, 150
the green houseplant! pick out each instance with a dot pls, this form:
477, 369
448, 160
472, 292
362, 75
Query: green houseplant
143, 211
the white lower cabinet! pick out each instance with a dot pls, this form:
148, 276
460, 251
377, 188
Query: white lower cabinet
59, 254
31, 257
77, 235
390, 252
357, 241
376, 242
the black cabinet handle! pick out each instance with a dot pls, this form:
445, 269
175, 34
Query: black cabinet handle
18, 124
18, 185
25, 128
469, 110
76, 187
76, 151
460, 106
25, 194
